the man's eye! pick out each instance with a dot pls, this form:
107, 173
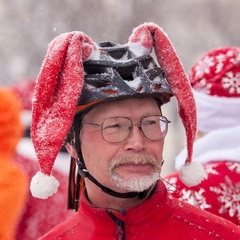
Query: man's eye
149, 122
112, 127
116, 125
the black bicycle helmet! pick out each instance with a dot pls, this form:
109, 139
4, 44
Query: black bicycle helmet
119, 74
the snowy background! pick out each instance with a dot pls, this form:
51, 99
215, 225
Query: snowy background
193, 26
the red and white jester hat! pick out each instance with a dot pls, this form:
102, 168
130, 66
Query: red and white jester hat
60, 84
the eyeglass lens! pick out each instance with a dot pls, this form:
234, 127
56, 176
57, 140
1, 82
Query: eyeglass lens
118, 128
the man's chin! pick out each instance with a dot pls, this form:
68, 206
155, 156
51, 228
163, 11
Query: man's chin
135, 184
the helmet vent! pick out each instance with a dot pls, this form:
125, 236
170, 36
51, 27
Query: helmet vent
112, 50
126, 73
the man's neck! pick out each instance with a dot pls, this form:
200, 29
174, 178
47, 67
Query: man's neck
100, 199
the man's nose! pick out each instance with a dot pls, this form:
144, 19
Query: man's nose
135, 140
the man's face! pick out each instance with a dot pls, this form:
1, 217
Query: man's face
133, 164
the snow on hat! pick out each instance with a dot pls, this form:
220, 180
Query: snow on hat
60, 83
215, 79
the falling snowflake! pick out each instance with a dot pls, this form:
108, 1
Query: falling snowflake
204, 66
195, 198
229, 197
231, 82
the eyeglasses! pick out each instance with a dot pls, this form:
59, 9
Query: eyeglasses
117, 129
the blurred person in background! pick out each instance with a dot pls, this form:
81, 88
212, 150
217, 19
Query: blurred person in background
38, 216
104, 101
215, 79
13, 179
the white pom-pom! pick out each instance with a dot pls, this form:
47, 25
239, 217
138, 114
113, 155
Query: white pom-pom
43, 186
192, 174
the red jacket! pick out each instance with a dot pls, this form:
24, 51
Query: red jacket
159, 217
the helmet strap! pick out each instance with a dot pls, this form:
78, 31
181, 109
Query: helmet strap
71, 184
74, 186
84, 173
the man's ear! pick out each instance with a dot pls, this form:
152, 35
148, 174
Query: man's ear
72, 150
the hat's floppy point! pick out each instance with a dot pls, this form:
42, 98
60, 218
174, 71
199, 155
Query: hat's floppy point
57, 90
143, 39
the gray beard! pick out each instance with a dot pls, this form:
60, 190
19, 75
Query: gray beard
135, 184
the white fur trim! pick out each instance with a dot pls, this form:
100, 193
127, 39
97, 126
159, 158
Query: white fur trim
43, 186
191, 174
211, 108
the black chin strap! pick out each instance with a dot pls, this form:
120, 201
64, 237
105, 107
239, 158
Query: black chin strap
84, 173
